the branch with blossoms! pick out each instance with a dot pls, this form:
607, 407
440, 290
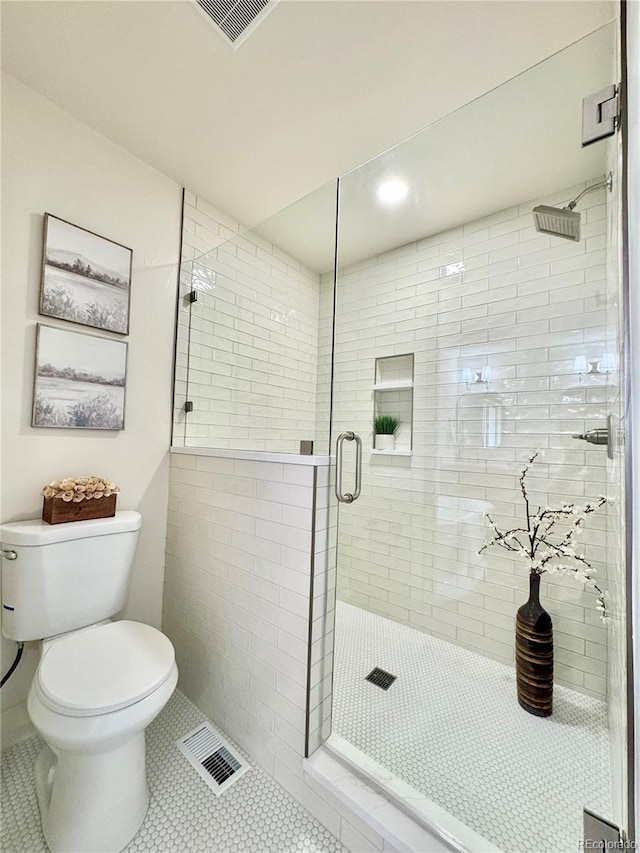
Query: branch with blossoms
535, 544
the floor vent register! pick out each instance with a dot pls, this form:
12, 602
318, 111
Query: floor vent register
213, 757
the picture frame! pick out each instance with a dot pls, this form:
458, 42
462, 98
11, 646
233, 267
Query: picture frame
86, 278
79, 380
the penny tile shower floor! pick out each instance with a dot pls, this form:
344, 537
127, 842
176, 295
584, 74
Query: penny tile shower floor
450, 726
255, 815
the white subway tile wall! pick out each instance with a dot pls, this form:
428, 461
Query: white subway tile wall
248, 347
236, 595
492, 293
251, 551
236, 606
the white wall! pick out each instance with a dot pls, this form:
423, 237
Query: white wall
53, 163
253, 341
492, 292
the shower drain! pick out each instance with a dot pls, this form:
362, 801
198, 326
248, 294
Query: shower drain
381, 678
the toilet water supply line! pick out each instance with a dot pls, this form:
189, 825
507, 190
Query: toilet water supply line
11, 555
13, 666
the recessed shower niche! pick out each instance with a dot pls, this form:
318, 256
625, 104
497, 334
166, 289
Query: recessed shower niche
393, 396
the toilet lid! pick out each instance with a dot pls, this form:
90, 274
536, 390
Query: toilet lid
104, 668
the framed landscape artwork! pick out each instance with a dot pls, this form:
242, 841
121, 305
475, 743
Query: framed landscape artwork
79, 380
85, 278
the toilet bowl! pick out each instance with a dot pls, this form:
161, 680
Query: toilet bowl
95, 692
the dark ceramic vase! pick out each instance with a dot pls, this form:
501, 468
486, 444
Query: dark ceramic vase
534, 654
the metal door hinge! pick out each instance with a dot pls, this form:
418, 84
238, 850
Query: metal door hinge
600, 834
600, 115
188, 406
192, 296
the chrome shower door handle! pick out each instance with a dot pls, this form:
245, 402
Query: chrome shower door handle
358, 487
348, 497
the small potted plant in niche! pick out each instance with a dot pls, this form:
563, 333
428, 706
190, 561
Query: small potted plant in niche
547, 544
385, 428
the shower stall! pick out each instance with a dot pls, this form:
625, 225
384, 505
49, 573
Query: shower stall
466, 285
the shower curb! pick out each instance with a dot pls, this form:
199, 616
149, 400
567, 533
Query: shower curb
364, 794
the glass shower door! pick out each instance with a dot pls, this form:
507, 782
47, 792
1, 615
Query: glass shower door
468, 342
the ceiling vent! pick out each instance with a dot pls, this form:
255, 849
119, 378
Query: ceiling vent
235, 20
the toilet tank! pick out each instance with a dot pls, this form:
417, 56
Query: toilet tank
65, 576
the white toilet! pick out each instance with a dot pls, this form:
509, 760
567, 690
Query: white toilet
99, 683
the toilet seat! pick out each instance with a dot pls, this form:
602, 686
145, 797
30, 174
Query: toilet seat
104, 668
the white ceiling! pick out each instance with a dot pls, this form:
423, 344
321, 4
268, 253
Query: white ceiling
519, 142
318, 88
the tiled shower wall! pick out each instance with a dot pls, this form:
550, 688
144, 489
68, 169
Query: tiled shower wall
250, 340
491, 293
249, 544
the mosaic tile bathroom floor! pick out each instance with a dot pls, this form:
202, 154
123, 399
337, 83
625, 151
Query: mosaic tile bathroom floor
255, 815
450, 726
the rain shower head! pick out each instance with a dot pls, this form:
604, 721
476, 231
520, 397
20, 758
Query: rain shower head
564, 221
559, 221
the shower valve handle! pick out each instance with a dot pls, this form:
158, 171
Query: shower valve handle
595, 436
